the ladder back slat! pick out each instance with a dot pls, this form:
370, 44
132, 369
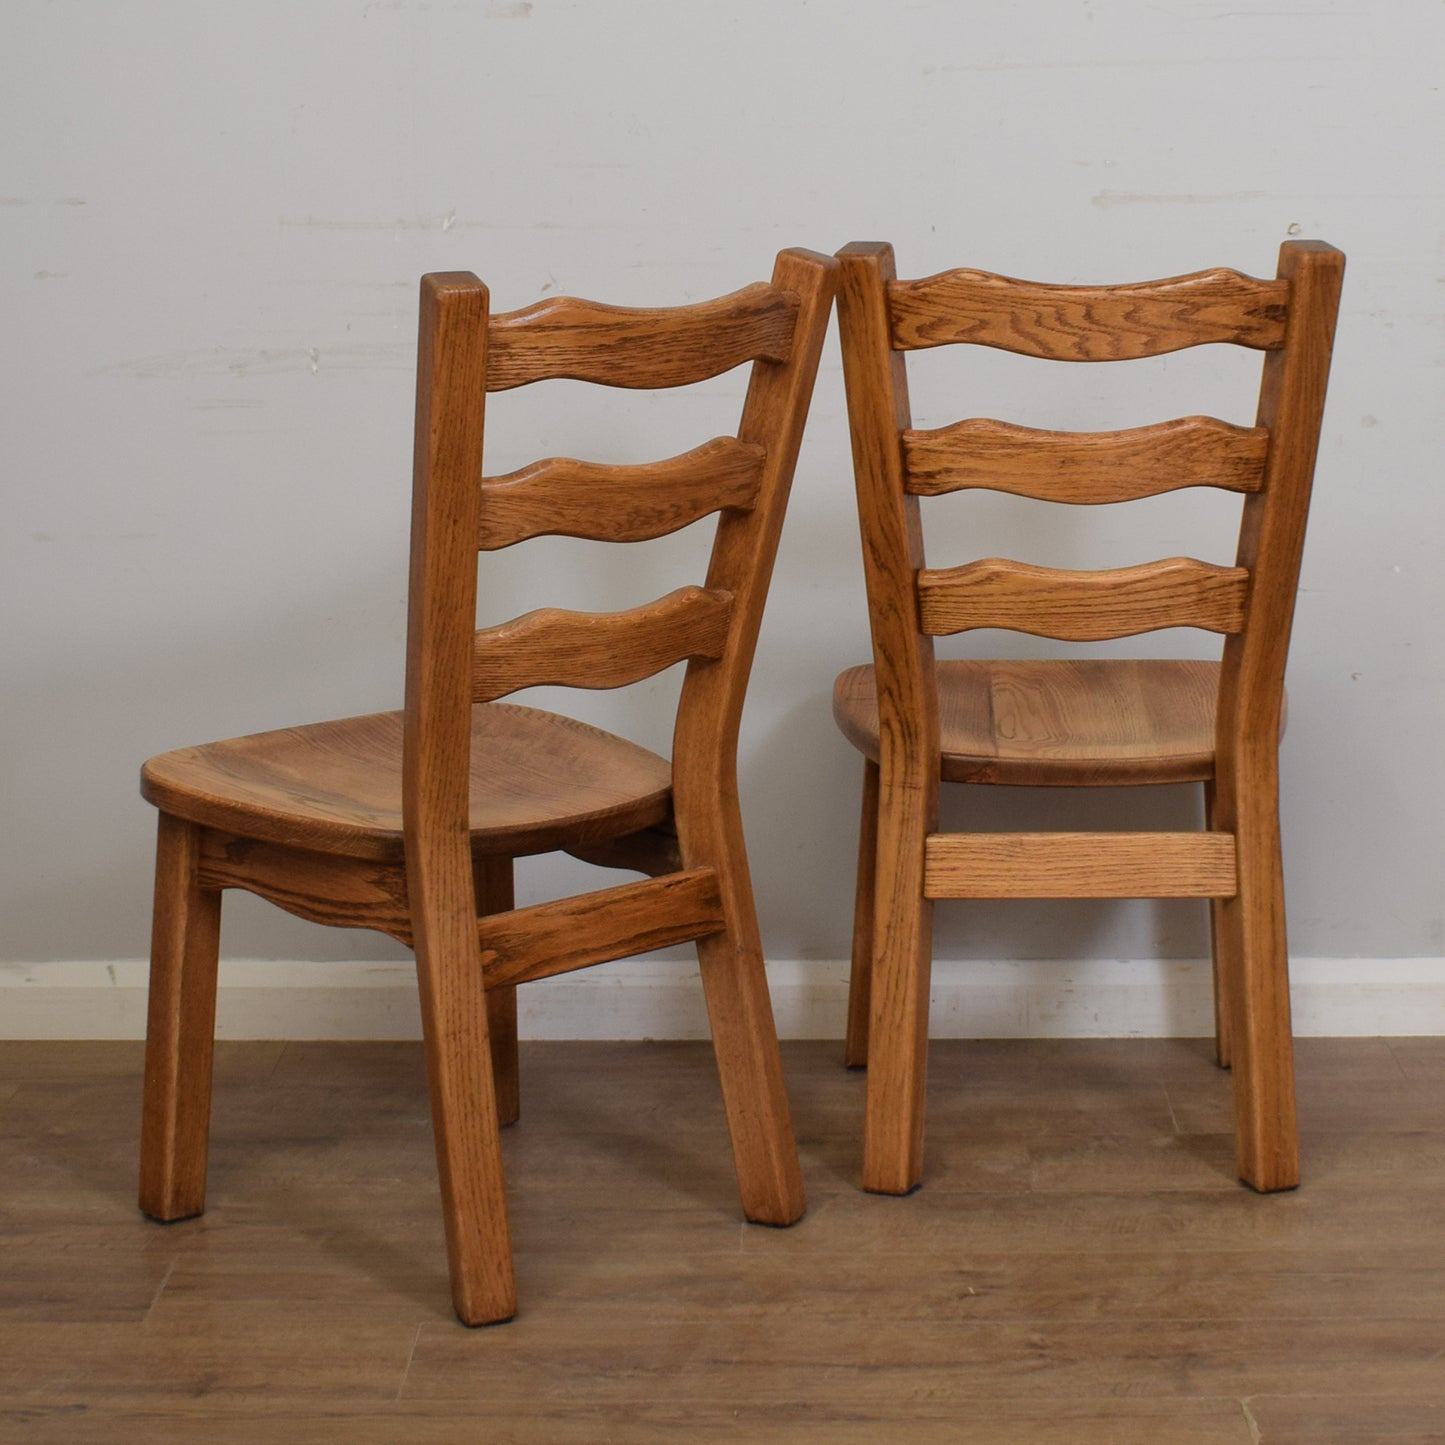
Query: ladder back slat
563, 497
572, 933
1079, 865
1082, 606
636, 347
1088, 323
1085, 467
599, 649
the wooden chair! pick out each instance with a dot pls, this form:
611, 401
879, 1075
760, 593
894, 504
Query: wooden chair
1076, 723
408, 822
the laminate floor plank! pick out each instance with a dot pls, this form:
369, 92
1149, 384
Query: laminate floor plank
1004, 1422
1080, 1265
1308, 1420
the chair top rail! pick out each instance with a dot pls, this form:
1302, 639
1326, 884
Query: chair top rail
639, 348
1088, 323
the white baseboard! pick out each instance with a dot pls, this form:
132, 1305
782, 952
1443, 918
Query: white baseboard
647, 999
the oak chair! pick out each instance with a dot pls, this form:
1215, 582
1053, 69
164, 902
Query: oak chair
408, 822
1076, 723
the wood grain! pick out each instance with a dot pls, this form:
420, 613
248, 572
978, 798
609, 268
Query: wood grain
1079, 865
1057, 722
336, 787
1087, 323
409, 822
599, 649
707, 814
1082, 606
1085, 467
563, 497
180, 1027
639, 347
1080, 1268
1251, 701
907, 800
1007, 722
436, 790
591, 928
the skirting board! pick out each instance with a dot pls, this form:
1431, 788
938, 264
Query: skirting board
651, 999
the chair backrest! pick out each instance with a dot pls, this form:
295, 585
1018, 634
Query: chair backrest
1291, 319
464, 353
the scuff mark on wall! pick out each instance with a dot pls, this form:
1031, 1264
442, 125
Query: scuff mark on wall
229, 361
1105, 199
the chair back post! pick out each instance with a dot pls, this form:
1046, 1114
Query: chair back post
1243, 801
891, 528
441, 604
745, 546
436, 773
1272, 530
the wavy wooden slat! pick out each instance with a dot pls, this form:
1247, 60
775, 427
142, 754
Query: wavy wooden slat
1079, 865
1082, 606
563, 497
1088, 323
1085, 467
639, 347
572, 933
599, 649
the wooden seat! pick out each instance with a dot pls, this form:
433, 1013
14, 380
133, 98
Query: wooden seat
539, 781
1084, 723
1068, 723
408, 822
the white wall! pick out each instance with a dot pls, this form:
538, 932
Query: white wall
214, 216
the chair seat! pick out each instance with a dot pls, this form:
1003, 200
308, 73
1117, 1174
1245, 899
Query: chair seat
539, 781
1085, 723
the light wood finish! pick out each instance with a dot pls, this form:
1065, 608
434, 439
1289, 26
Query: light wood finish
1081, 606
1087, 323
1082, 1268
1058, 723
1085, 467
408, 822
1077, 722
564, 497
1079, 865
599, 649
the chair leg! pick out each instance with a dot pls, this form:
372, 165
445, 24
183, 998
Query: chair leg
740, 1012
855, 1047
180, 1029
493, 879
1225, 969
1261, 1041
898, 1016
750, 1069
464, 1118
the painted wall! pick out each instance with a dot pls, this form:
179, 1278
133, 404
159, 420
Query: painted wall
213, 220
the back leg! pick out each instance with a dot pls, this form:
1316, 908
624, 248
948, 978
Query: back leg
1226, 968
860, 976
494, 888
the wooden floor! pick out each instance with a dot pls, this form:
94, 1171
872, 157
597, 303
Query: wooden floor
1079, 1267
